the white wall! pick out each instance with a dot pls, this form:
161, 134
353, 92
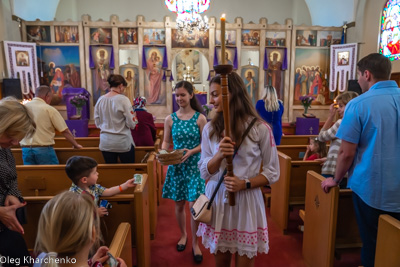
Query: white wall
331, 13
9, 31
155, 10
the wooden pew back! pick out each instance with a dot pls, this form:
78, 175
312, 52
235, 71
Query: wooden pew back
63, 154
131, 208
48, 180
388, 242
329, 222
290, 189
121, 244
296, 139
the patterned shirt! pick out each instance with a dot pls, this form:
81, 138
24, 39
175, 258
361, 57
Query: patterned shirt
94, 190
8, 178
329, 166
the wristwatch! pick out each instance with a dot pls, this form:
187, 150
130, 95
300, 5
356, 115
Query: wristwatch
248, 183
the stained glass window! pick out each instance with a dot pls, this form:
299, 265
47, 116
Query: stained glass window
389, 44
186, 6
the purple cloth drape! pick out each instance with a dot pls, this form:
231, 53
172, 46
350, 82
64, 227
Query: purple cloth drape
284, 58
109, 49
235, 60
215, 57
209, 76
171, 78
164, 77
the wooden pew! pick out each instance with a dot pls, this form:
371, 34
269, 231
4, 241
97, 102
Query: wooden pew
48, 180
388, 242
329, 222
132, 208
290, 189
121, 244
63, 154
296, 139
293, 151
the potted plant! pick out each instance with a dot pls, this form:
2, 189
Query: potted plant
78, 102
306, 102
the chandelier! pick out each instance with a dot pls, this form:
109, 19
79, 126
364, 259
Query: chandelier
188, 14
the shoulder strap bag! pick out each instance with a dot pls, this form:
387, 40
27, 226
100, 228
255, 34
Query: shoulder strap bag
201, 209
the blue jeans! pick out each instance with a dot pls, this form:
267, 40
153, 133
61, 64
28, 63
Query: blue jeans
39, 156
124, 157
367, 220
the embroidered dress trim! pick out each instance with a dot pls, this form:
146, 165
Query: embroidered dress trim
242, 242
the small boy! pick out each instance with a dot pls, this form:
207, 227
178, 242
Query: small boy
83, 173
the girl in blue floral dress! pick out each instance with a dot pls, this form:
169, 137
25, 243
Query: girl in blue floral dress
183, 182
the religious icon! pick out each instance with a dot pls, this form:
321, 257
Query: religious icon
66, 34
274, 72
195, 38
249, 75
310, 69
131, 74
154, 36
188, 61
328, 38
250, 37
343, 58
38, 33
306, 38
22, 58
230, 37
229, 55
100, 36
275, 39
101, 57
127, 36
154, 87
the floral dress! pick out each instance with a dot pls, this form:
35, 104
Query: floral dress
183, 181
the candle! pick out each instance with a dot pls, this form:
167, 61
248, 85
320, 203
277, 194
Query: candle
223, 39
204, 88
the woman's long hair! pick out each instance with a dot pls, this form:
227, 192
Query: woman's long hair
240, 108
271, 99
194, 103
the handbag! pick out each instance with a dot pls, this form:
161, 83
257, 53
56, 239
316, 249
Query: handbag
202, 209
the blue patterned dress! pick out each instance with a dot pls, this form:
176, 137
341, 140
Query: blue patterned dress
183, 181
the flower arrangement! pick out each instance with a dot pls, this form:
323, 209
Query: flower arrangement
79, 101
306, 102
207, 109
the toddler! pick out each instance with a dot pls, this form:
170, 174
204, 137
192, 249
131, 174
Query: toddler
315, 150
83, 173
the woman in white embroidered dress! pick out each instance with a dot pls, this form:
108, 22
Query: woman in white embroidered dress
239, 230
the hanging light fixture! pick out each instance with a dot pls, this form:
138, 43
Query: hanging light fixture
188, 14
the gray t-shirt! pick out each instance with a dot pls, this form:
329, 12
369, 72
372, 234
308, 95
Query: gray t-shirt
115, 117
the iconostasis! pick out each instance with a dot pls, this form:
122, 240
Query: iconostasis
153, 56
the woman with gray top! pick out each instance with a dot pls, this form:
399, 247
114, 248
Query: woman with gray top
329, 133
114, 115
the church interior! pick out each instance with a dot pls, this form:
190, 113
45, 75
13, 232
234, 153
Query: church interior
306, 49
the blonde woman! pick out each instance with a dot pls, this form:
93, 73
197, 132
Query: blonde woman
15, 122
270, 108
69, 228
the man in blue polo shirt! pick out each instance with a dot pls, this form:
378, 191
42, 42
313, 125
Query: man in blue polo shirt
370, 133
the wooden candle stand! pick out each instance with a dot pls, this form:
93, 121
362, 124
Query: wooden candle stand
224, 70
